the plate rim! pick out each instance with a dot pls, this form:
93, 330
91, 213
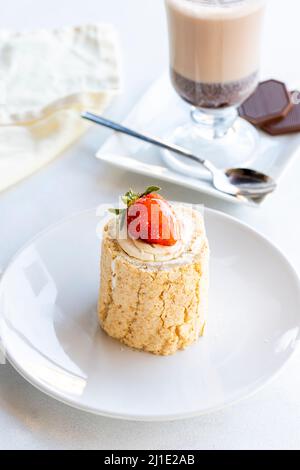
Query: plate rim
47, 390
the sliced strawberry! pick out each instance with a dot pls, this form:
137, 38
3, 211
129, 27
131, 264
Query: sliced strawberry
152, 219
149, 217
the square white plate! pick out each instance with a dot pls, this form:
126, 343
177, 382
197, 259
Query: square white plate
157, 113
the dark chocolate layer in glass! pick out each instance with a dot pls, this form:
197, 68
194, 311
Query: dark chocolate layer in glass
214, 95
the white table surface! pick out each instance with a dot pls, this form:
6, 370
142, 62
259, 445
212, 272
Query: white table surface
31, 420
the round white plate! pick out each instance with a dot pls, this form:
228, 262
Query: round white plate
48, 298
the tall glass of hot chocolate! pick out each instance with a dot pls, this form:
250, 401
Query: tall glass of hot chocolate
214, 58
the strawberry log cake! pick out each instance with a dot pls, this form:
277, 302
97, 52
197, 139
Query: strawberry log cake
154, 274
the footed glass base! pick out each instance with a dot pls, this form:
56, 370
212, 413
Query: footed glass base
224, 139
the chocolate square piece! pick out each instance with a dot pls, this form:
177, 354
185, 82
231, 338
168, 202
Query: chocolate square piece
270, 102
290, 123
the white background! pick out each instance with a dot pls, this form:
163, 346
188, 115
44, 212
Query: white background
30, 420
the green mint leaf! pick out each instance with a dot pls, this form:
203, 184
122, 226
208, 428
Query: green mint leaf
116, 211
130, 197
151, 189
122, 219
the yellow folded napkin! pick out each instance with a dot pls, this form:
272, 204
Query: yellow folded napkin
46, 79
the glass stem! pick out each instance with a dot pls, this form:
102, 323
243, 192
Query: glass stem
214, 123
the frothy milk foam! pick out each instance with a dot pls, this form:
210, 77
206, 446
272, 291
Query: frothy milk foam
215, 42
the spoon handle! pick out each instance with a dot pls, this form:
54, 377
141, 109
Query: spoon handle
125, 130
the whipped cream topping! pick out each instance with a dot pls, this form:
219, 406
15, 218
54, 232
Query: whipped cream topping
146, 252
188, 241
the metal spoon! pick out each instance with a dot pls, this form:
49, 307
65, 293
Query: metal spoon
238, 182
